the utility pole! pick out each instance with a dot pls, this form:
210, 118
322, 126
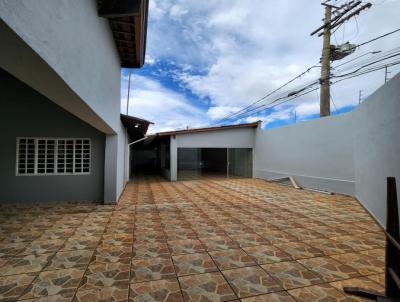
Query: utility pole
324, 102
334, 52
386, 74
359, 96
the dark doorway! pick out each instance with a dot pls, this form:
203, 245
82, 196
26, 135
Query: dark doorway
194, 163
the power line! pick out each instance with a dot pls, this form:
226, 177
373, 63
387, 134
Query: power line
267, 106
243, 110
377, 38
265, 96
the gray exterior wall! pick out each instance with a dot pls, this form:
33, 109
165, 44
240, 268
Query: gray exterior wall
317, 153
377, 147
26, 113
66, 52
229, 138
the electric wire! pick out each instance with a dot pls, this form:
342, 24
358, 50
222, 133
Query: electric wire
282, 101
249, 107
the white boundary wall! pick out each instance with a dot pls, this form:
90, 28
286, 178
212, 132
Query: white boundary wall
351, 153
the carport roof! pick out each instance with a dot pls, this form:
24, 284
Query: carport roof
135, 126
208, 129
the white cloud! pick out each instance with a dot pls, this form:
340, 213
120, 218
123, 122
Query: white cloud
177, 11
219, 112
166, 108
232, 52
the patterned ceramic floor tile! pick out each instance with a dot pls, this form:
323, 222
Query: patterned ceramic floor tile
292, 274
250, 281
329, 269
377, 254
329, 246
188, 246
300, 250
156, 219
319, 293
151, 269
304, 234
109, 294
80, 243
264, 254
274, 297
364, 264
218, 243
248, 240
60, 282
22, 236
235, 258
41, 247
206, 287
112, 253
193, 264
25, 264
361, 282
277, 237
11, 287
166, 290
357, 243
100, 274
69, 259
151, 250
53, 298
379, 278
12, 249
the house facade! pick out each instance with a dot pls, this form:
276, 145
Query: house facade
63, 138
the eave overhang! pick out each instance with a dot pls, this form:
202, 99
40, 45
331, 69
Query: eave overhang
135, 126
128, 23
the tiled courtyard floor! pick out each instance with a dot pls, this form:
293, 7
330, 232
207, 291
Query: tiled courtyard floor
204, 240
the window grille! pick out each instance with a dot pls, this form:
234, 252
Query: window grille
53, 156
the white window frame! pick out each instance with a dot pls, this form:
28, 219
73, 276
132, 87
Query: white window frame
56, 141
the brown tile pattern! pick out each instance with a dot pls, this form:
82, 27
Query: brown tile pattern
185, 240
193, 264
226, 259
59, 282
206, 287
263, 254
329, 269
274, 297
319, 293
151, 269
292, 274
166, 290
11, 287
250, 281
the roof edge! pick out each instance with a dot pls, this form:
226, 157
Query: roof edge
210, 129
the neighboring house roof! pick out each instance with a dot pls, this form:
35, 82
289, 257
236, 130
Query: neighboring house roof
208, 129
128, 22
135, 126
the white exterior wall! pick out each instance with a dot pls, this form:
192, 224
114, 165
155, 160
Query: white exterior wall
228, 138
65, 43
352, 153
377, 147
317, 153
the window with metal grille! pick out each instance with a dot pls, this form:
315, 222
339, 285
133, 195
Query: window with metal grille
53, 156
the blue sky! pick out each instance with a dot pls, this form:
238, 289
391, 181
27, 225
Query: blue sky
207, 59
